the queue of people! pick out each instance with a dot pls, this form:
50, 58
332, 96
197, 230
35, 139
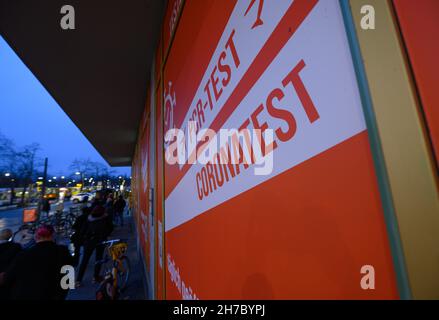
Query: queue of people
35, 273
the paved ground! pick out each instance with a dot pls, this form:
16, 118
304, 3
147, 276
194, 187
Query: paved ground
134, 290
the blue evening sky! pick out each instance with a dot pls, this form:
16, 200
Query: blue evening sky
28, 114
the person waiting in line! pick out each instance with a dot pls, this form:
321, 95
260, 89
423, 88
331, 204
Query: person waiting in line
130, 204
8, 251
35, 273
96, 230
46, 207
60, 207
96, 201
119, 207
109, 207
84, 202
75, 238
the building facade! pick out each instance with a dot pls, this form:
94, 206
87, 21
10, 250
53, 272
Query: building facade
327, 120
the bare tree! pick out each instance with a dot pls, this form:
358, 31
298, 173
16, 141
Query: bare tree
7, 152
83, 168
103, 173
97, 170
28, 163
9, 163
4, 147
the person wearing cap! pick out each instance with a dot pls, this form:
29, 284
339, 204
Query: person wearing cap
97, 228
35, 273
8, 251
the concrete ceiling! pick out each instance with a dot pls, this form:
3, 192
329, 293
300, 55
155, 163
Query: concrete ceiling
99, 72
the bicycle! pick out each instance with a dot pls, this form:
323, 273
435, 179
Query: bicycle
62, 223
116, 278
25, 233
71, 216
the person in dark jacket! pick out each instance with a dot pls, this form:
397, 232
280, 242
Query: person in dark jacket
109, 207
46, 207
96, 230
119, 207
76, 238
8, 251
84, 202
97, 200
36, 274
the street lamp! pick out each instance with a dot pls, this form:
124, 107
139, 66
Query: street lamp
7, 174
63, 177
77, 173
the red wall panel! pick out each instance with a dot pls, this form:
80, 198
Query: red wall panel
160, 259
306, 229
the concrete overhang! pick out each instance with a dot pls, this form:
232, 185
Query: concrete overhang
99, 72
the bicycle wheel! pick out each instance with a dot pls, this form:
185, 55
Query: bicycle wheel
62, 228
106, 264
105, 290
67, 228
71, 218
123, 272
25, 236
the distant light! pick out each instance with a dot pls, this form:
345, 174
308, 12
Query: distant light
50, 180
77, 173
7, 174
120, 177
40, 178
54, 178
12, 180
74, 180
63, 177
